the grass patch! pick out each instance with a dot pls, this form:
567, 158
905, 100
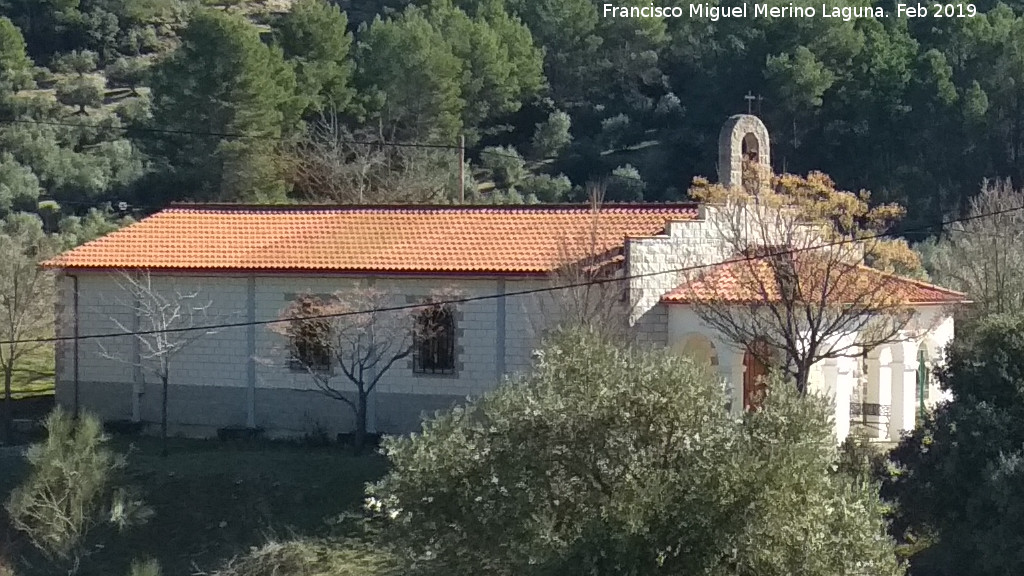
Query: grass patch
307, 557
33, 375
217, 500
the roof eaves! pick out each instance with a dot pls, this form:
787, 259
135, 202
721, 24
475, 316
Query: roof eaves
531, 272
499, 208
916, 282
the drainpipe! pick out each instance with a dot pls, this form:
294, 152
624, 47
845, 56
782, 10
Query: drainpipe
75, 404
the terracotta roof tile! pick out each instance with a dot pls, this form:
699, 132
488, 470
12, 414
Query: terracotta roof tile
398, 239
740, 281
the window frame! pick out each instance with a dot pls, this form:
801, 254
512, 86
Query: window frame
295, 361
447, 328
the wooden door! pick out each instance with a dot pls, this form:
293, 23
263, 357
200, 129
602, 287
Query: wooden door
754, 374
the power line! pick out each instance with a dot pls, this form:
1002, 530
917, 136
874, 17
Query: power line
492, 296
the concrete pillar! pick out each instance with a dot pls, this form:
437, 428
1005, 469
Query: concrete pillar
838, 390
904, 388
500, 327
250, 347
138, 377
878, 405
373, 398
731, 368
885, 395
904, 407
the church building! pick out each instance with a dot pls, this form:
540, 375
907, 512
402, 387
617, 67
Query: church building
507, 266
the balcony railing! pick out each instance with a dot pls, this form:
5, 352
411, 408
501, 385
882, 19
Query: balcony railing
869, 409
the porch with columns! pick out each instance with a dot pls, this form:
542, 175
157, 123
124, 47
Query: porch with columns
884, 401
878, 395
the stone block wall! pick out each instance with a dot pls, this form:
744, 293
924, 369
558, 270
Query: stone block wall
240, 376
659, 264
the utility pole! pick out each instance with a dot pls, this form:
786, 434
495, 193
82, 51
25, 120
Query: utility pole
462, 169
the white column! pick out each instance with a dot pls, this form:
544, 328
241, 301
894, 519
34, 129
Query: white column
731, 368
904, 389
884, 397
879, 399
250, 347
138, 377
833, 387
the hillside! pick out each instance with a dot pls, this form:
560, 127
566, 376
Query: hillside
550, 96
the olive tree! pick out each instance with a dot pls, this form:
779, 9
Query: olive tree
612, 460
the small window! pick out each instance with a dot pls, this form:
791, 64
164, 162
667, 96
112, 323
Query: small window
434, 352
310, 342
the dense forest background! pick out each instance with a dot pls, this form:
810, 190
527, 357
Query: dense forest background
137, 103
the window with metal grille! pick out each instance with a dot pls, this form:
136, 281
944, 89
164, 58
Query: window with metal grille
434, 351
310, 342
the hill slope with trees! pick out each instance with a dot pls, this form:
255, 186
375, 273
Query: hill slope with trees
151, 101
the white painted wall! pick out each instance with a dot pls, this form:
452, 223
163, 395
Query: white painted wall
213, 359
476, 321
222, 359
497, 336
891, 370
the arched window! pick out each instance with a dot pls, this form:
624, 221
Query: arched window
700, 349
750, 148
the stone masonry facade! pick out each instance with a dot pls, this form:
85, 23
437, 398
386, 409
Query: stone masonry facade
239, 377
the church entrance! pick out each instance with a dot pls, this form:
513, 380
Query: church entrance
755, 373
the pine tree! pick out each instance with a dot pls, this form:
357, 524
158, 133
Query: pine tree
14, 62
314, 35
410, 79
224, 80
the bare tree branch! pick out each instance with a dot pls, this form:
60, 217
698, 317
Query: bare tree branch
583, 257
162, 311
982, 256
798, 290
27, 297
362, 347
333, 164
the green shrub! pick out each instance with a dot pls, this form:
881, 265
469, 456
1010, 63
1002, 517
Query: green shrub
552, 136
507, 167
71, 490
610, 460
546, 188
860, 459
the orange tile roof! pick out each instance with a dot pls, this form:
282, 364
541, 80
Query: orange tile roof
497, 239
745, 281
